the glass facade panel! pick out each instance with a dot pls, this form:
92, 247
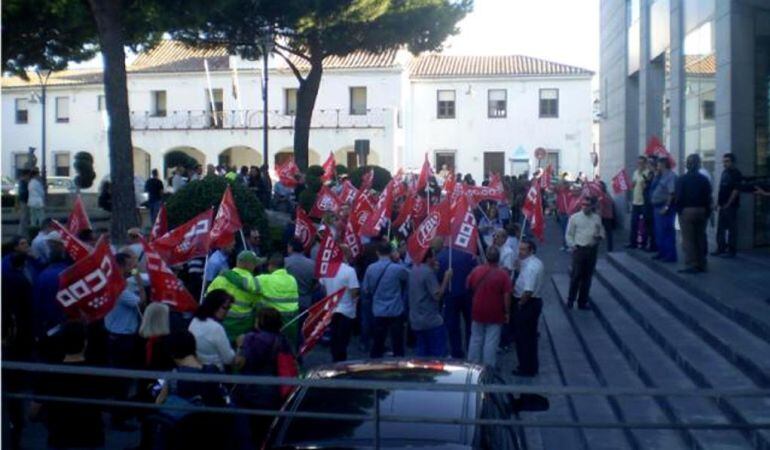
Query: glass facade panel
634, 34
762, 163
700, 82
660, 26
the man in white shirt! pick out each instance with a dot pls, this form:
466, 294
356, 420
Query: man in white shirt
345, 314
39, 246
527, 293
36, 199
507, 257
584, 232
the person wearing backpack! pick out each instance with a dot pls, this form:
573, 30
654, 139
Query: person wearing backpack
491, 308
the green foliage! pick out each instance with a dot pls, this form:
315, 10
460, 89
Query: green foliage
342, 169
381, 177
315, 170
84, 166
307, 199
178, 158
199, 195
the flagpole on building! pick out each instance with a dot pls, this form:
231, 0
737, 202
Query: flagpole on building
211, 92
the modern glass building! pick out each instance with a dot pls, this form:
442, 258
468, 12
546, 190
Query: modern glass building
696, 74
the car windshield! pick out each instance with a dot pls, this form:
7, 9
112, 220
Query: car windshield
432, 404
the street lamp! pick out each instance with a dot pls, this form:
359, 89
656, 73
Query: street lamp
42, 76
267, 47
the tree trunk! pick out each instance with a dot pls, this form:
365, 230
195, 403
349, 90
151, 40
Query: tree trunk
306, 97
107, 14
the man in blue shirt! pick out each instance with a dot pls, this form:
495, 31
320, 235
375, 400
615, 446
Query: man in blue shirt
457, 300
383, 284
218, 262
122, 324
48, 314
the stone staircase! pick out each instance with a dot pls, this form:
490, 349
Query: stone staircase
651, 327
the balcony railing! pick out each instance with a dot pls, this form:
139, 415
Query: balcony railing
253, 119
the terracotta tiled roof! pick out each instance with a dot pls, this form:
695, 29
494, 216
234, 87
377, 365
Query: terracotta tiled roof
174, 56
69, 77
439, 66
700, 64
357, 60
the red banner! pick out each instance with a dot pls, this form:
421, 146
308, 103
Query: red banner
620, 182
363, 206
319, 316
425, 174
436, 224
330, 168
352, 239
477, 194
464, 232
187, 241
286, 173
76, 248
78, 219
348, 193
533, 211
655, 148
165, 287
304, 229
329, 257
380, 214
160, 227
226, 222
325, 202
405, 213
89, 288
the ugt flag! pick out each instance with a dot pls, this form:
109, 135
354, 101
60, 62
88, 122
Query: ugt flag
89, 288
533, 211
621, 182
329, 258
319, 316
226, 222
165, 287
187, 241
78, 219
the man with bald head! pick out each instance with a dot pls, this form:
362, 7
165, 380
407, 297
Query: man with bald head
693, 204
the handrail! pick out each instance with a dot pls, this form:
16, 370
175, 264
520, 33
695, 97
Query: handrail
390, 385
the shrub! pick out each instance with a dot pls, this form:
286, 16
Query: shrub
84, 166
199, 195
342, 169
381, 177
178, 158
313, 183
307, 199
315, 170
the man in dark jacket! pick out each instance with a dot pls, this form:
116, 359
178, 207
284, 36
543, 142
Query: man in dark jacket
693, 204
728, 201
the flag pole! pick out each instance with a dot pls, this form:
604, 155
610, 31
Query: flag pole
243, 239
203, 280
296, 318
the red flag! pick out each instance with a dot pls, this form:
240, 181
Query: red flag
187, 241
304, 229
362, 207
330, 168
325, 202
533, 211
593, 189
165, 287
78, 219
377, 217
352, 239
621, 182
545, 177
436, 224
348, 192
367, 180
329, 257
464, 232
226, 222
479, 193
319, 316
286, 173
425, 174
89, 288
76, 248
160, 227
406, 211
655, 148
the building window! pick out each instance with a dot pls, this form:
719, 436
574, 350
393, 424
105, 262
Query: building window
549, 103
709, 109
357, 101
62, 109
445, 158
552, 158
445, 104
290, 101
20, 161
497, 103
22, 110
101, 103
62, 167
158, 103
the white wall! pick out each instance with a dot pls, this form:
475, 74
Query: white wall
471, 132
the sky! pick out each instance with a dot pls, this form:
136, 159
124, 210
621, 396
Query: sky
564, 31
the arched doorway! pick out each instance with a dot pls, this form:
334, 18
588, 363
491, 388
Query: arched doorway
238, 156
187, 157
285, 153
347, 156
142, 162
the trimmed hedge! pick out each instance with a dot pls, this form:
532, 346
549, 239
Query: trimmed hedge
199, 195
315, 170
381, 177
84, 166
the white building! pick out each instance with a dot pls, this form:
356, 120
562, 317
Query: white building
479, 114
